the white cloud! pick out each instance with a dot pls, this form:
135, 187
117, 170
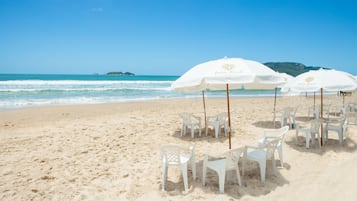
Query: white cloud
96, 9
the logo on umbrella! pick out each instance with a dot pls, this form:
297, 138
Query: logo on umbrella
309, 79
228, 67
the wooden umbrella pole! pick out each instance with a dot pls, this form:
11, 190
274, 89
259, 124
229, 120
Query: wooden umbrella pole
314, 101
229, 116
322, 115
275, 104
204, 107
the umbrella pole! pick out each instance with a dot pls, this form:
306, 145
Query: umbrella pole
322, 115
275, 105
229, 116
204, 107
343, 100
314, 101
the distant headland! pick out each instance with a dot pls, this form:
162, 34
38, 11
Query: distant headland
291, 68
120, 73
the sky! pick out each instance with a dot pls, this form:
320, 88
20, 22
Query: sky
168, 37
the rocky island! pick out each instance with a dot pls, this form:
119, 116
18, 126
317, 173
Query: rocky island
120, 73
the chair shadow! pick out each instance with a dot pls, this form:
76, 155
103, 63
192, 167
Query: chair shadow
303, 118
270, 124
209, 138
267, 124
250, 181
332, 144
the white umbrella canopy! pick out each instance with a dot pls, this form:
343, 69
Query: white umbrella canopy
222, 74
238, 73
315, 80
286, 77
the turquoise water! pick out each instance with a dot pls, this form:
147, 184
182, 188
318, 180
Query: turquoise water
28, 90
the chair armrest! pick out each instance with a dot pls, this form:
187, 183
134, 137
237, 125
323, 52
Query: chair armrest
253, 147
213, 156
272, 137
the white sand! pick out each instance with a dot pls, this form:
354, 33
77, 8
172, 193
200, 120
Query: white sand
111, 152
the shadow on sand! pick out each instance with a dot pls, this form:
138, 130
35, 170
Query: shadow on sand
251, 181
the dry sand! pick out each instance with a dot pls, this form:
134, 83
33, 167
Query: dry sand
111, 152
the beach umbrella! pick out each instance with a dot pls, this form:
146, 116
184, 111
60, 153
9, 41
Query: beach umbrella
314, 80
225, 74
319, 81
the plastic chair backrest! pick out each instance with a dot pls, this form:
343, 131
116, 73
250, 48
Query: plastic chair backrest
171, 154
186, 117
232, 157
271, 146
222, 117
315, 125
276, 133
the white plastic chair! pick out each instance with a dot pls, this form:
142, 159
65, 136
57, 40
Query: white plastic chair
176, 155
219, 121
271, 134
317, 110
340, 127
310, 132
227, 162
284, 117
261, 154
351, 118
190, 121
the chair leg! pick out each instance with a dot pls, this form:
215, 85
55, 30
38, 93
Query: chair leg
193, 166
340, 136
183, 127
164, 175
262, 166
280, 152
243, 163
318, 139
216, 130
204, 174
324, 136
184, 175
238, 176
221, 177
192, 131
274, 166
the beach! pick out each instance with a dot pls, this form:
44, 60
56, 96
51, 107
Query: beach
112, 152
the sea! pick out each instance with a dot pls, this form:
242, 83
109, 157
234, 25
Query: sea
32, 90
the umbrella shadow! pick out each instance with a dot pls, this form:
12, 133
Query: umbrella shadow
250, 181
303, 118
332, 144
209, 138
270, 124
267, 124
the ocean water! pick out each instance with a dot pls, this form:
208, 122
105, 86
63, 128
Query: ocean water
29, 90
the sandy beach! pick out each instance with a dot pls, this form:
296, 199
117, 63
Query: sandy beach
112, 152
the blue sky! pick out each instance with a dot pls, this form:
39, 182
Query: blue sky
167, 37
